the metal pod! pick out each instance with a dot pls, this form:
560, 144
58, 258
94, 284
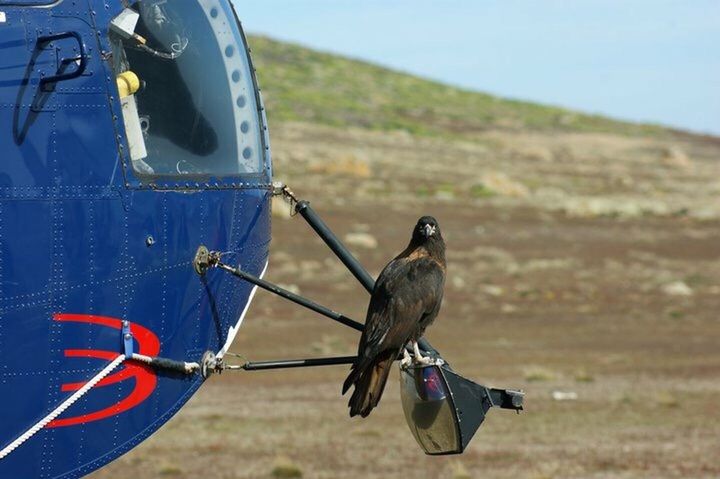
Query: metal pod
444, 410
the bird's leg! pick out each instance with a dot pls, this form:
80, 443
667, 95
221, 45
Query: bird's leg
406, 360
419, 358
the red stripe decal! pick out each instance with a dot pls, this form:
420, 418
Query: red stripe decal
145, 379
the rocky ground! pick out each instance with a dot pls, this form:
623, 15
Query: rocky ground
583, 268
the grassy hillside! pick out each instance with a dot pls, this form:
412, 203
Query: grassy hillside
300, 84
583, 268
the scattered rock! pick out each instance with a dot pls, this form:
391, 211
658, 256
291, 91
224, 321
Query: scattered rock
458, 282
286, 269
582, 376
706, 212
362, 227
280, 208
501, 184
481, 191
490, 255
508, 308
480, 230
492, 290
369, 433
349, 165
622, 180
293, 288
445, 195
280, 256
567, 119
675, 156
593, 207
678, 288
310, 269
538, 373
361, 240
310, 265
286, 469
564, 395
667, 399
550, 193
542, 264
329, 345
170, 471
537, 153
459, 471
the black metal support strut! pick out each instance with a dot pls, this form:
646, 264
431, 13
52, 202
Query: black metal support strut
304, 209
295, 298
205, 259
295, 363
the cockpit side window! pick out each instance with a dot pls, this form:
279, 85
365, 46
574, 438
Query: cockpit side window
187, 91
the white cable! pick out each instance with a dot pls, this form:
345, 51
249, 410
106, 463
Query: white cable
62, 408
142, 358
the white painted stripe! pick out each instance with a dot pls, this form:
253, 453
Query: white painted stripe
232, 332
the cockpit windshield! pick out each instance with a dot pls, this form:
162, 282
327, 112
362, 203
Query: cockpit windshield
186, 89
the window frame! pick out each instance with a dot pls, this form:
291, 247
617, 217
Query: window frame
30, 3
203, 181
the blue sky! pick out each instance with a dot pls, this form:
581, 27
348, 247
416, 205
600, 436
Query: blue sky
643, 60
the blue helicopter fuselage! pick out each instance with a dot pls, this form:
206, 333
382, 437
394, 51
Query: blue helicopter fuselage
128, 137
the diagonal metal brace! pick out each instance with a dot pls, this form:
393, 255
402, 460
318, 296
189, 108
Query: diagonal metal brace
211, 259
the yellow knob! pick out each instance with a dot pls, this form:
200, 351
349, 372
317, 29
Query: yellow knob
128, 83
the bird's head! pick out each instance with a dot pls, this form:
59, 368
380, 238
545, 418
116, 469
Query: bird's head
427, 228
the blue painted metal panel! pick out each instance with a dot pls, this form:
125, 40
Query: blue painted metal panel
75, 257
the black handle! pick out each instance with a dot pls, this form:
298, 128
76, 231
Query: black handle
83, 57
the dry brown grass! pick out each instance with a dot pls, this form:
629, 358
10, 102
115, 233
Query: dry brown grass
575, 304
285, 469
346, 165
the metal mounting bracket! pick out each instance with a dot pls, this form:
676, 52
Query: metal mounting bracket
127, 338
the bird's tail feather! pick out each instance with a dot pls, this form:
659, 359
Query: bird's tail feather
350, 380
360, 365
356, 371
369, 384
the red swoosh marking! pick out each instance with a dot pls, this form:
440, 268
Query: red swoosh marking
145, 379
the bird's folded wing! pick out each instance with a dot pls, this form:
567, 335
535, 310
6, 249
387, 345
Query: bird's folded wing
407, 291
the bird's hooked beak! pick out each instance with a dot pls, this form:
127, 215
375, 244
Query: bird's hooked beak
428, 230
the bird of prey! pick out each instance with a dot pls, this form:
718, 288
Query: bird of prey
405, 301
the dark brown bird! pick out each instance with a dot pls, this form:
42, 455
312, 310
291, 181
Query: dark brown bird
405, 301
